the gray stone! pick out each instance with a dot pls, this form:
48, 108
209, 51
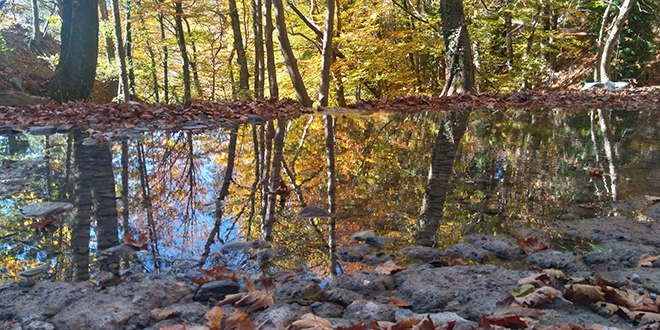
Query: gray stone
43, 130
365, 283
41, 301
616, 228
598, 257
44, 209
369, 311
327, 309
278, 315
504, 248
115, 306
470, 251
566, 261
439, 318
420, 252
342, 296
377, 258
39, 325
653, 212
299, 290
216, 290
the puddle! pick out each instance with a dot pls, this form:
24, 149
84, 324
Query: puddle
430, 178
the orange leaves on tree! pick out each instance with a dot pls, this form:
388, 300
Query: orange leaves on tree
531, 245
215, 274
254, 298
140, 244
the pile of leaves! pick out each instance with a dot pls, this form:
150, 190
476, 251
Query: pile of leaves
129, 115
630, 99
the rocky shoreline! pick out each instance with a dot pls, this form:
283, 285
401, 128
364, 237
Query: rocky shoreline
465, 293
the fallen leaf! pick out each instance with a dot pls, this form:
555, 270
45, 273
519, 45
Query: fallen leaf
531, 245
158, 314
579, 291
240, 321
595, 172
605, 308
537, 280
652, 198
140, 244
540, 296
646, 260
256, 299
507, 320
388, 268
310, 321
214, 318
215, 274
397, 302
522, 290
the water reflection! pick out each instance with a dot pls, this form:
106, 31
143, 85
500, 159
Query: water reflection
428, 178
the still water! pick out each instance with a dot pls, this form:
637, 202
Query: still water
429, 178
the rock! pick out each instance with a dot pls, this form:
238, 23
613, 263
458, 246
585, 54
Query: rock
342, 296
350, 254
41, 301
504, 248
327, 309
378, 241
9, 130
598, 257
470, 251
216, 290
609, 85
377, 258
420, 252
278, 315
39, 325
254, 119
20, 99
298, 290
115, 306
44, 209
653, 212
565, 261
439, 318
43, 130
369, 311
367, 284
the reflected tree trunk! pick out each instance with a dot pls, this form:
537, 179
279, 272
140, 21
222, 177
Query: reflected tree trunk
220, 200
332, 191
95, 199
267, 135
440, 172
146, 201
275, 177
124, 186
607, 146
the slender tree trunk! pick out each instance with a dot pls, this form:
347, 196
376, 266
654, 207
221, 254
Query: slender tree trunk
76, 70
243, 79
604, 62
259, 74
458, 49
339, 76
109, 42
129, 52
193, 65
123, 93
275, 178
184, 51
270, 52
166, 83
508, 39
289, 58
267, 135
36, 22
332, 190
124, 186
327, 54
146, 199
224, 192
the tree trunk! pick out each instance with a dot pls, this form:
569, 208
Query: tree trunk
243, 78
327, 54
76, 70
257, 21
604, 61
36, 30
289, 58
275, 178
129, 53
458, 49
270, 53
440, 171
123, 93
332, 190
166, 83
184, 52
109, 43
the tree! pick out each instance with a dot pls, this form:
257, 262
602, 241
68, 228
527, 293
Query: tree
324, 88
244, 84
121, 51
458, 50
606, 48
76, 70
178, 18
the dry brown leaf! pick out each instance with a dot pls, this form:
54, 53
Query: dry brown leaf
537, 280
507, 320
215, 274
310, 321
158, 314
652, 198
579, 291
605, 308
555, 273
531, 245
139, 244
643, 317
397, 302
256, 299
646, 260
240, 321
214, 317
388, 268
540, 296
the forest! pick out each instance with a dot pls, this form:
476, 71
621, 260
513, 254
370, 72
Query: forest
336, 53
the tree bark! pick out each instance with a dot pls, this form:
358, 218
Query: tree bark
259, 74
332, 190
289, 58
604, 62
243, 79
184, 51
166, 82
458, 49
123, 93
76, 70
109, 43
270, 53
36, 22
275, 178
327, 54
